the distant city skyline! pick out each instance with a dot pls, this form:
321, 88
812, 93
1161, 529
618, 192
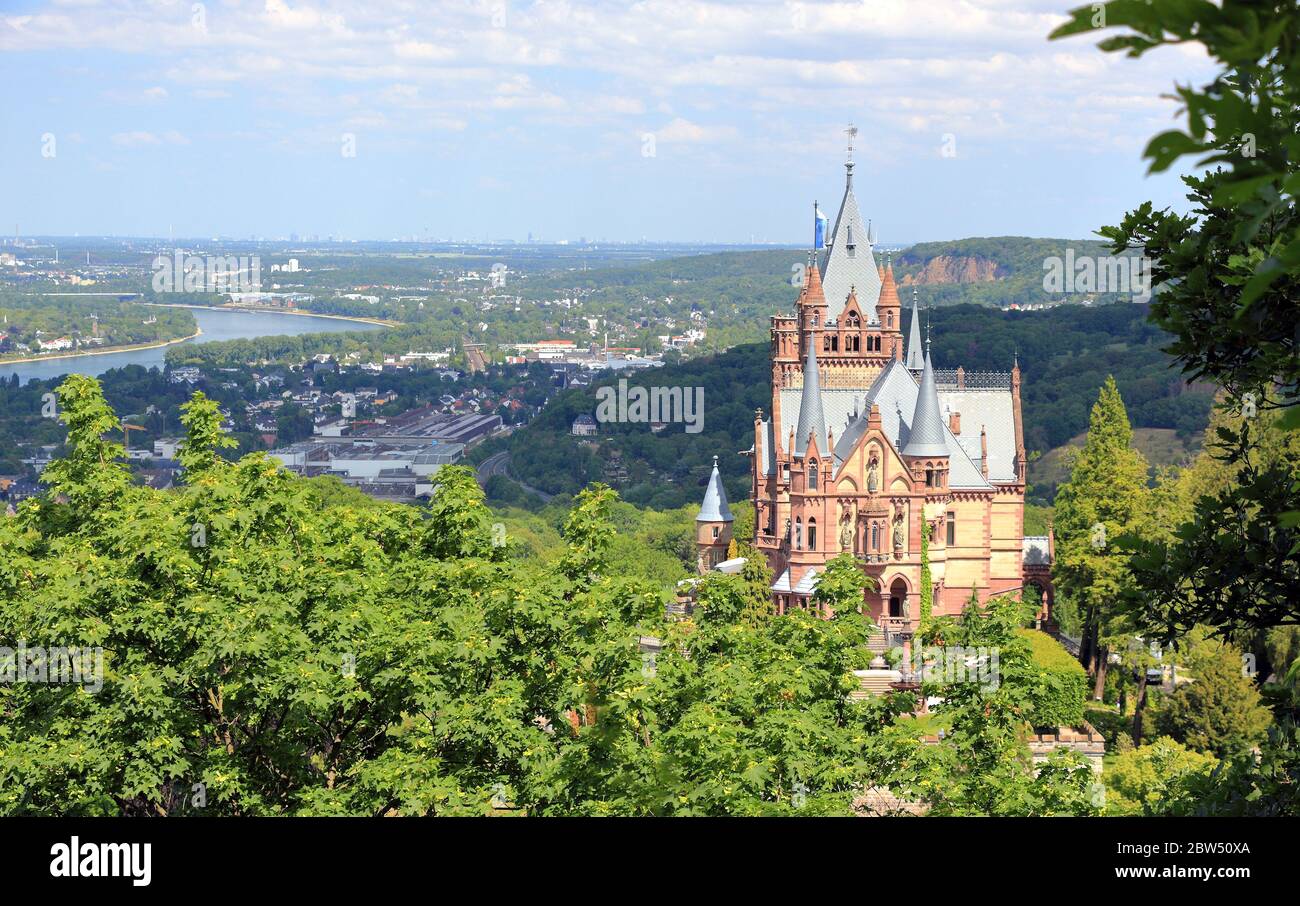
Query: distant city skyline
660, 121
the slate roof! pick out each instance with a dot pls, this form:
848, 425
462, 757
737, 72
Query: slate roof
994, 410
1035, 550
811, 420
714, 508
914, 354
928, 435
807, 585
848, 263
895, 392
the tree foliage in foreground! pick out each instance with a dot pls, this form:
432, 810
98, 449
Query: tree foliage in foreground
1228, 277
265, 655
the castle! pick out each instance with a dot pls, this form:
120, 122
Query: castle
867, 445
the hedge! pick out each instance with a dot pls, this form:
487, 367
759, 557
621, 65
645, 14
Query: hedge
1061, 703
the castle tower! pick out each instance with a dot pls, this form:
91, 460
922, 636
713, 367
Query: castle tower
713, 525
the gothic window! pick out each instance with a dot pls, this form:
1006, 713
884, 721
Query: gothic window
798, 534
853, 319
715, 533
835, 344
952, 528
890, 319
812, 475
812, 534
814, 319
826, 344
875, 536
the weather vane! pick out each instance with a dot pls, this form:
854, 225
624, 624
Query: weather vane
852, 133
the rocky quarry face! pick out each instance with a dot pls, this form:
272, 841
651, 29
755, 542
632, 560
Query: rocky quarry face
947, 269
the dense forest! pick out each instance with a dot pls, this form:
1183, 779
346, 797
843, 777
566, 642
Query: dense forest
1065, 354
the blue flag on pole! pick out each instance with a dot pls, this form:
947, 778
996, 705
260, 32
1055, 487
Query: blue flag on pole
819, 232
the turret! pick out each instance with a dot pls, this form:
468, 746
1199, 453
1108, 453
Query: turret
812, 303
926, 450
889, 309
713, 524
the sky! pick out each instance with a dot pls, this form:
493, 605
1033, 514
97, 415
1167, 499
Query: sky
660, 119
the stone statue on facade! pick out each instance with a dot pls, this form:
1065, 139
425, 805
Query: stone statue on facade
873, 478
846, 533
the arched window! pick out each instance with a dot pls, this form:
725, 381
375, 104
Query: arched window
812, 475
890, 319
812, 534
875, 536
853, 319
798, 534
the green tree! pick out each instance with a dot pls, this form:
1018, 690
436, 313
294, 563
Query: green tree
841, 585
1219, 711
1155, 779
1227, 276
1104, 499
980, 764
266, 653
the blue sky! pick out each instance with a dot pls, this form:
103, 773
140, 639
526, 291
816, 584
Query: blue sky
499, 118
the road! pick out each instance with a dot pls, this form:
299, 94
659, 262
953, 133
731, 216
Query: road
499, 464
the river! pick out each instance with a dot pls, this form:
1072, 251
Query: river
215, 324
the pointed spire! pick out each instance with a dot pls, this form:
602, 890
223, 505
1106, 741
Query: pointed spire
813, 294
848, 259
926, 437
714, 508
888, 289
811, 419
912, 358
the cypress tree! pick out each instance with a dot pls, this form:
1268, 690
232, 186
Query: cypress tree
1105, 497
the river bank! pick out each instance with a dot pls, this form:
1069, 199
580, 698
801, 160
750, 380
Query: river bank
214, 326
105, 350
378, 322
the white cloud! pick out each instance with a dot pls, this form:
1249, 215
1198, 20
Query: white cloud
684, 132
140, 138
134, 139
903, 69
